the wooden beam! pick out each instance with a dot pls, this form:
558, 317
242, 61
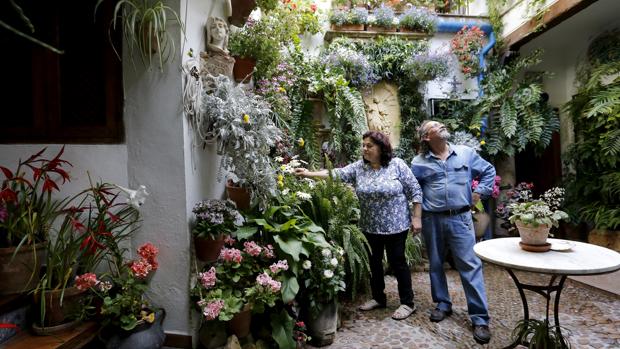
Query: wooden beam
555, 14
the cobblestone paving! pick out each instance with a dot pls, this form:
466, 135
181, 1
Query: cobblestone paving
590, 316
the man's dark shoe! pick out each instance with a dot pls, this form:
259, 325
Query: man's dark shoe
482, 334
438, 315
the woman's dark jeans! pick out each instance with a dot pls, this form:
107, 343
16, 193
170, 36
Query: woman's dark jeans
394, 245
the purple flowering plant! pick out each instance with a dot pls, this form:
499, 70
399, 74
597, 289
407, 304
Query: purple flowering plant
275, 91
215, 217
246, 276
418, 19
353, 65
427, 67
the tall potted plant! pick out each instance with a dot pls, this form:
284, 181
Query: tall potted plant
27, 211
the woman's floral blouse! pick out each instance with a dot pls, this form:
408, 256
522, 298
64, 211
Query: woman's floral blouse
384, 195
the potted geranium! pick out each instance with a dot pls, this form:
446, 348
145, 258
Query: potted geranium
246, 279
27, 211
126, 314
466, 45
534, 220
215, 219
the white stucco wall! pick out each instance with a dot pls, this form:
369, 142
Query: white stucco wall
519, 13
565, 46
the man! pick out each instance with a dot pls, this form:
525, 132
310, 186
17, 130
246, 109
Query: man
445, 171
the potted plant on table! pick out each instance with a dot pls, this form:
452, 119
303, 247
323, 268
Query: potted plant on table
215, 219
535, 218
27, 211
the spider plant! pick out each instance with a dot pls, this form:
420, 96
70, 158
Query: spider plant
144, 24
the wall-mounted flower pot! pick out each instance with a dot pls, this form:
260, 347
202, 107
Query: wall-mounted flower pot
207, 249
239, 195
243, 68
241, 9
22, 273
348, 27
377, 29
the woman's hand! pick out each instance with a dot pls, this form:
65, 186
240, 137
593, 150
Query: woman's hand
416, 225
300, 172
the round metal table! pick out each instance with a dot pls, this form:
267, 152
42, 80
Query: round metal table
581, 259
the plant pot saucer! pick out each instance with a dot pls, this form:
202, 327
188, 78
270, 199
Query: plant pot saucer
535, 248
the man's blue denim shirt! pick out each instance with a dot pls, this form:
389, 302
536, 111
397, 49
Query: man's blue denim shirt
446, 185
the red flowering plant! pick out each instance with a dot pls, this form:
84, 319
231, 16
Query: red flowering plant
122, 289
27, 204
466, 45
246, 276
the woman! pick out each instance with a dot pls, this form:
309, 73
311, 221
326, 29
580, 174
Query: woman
384, 186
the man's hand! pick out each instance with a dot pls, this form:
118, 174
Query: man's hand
416, 225
300, 172
475, 197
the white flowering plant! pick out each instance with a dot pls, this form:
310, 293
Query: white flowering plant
543, 211
323, 276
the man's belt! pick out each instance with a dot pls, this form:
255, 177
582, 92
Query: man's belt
449, 212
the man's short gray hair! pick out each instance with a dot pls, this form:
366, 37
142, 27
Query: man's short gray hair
421, 132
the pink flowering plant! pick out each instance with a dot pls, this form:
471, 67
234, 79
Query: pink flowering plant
122, 290
247, 275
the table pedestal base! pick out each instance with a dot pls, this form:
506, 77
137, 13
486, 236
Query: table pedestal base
545, 291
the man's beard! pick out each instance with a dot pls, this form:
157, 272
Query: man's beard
444, 134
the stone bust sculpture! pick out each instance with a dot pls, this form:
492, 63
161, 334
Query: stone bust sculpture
217, 35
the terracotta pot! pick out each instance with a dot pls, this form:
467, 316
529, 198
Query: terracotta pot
531, 235
239, 195
243, 68
208, 249
374, 28
239, 325
57, 314
348, 27
241, 9
22, 273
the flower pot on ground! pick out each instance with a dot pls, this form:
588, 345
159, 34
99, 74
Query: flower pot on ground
208, 249
145, 335
322, 326
19, 271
